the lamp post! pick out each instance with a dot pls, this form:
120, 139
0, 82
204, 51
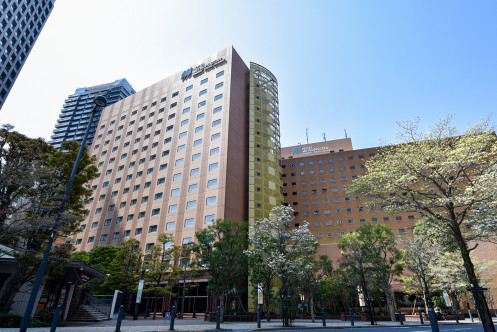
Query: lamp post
100, 102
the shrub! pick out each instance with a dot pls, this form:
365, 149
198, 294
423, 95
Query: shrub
10, 320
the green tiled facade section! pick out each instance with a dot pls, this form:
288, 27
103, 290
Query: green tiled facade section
264, 144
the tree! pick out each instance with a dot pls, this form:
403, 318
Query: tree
418, 257
288, 252
124, 269
33, 177
448, 177
157, 263
220, 252
371, 253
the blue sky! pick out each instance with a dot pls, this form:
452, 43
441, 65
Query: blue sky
348, 65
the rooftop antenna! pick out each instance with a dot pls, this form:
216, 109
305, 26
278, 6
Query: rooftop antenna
345, 133
324, 137
307, 134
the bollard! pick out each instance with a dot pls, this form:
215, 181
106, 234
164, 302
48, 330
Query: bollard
455, 315
119, 318
55, 319
471, 316
400, 318
218, 318
433, 320
259, 317
421, 312
173, 316
351, 317
324, 316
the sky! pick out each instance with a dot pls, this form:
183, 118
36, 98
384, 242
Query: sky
343, 67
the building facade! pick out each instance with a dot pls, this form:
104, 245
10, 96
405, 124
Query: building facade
21, 22
76, 112
174, 157
315, 181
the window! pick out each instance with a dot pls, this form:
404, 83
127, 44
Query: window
126, 233
187, 240
173, 105
203, 92
119, 220
213, 166
179, 162
125, 190
138, 231
155, 212
362, 221
165, 153
216, 123
176, 176
196, 156
115, 235
167, 140
205, 80
221, 73
219, 85
144, 199
150, 170
173, 208
194, 171
175, 192
186, 110
191, 204
161, 181
215, 136
398, 218
193, 187
163, 167
386, 218
181, 148
210, 200
187, 99
94, 225
374, 219
211, 183
98, 210
188, 88
133, 202
183, 134
184, 122
410, 217
130, 217
152, 229
170, 225
111, 207
201, 104
136, 187
214, 151
197, 142
91, 239
217, 109
158, 196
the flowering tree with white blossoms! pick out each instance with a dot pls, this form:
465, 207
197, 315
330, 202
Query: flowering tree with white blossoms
288, 252
450, 178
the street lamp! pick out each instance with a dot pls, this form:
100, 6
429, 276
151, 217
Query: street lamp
100, 102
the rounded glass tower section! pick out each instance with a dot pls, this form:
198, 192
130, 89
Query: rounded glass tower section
264, 144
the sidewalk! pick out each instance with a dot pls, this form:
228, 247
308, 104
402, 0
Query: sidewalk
198, 324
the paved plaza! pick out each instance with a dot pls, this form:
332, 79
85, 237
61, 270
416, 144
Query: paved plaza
198, 324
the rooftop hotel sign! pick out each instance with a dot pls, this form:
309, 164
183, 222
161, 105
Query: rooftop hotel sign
201, 68
309, 150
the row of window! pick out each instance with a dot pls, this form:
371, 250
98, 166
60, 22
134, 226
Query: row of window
330, 234
352, 221
330, 160
174, 94
189, 222
342, 168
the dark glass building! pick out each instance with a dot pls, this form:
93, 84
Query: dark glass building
75, 114
21, 22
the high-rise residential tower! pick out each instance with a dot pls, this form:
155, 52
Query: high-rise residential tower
75, 114
21, 22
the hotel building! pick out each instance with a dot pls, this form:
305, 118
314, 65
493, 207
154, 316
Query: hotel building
200, 145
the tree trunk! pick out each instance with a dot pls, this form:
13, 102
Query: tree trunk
221, 305
155, 305
312, 307
390, 304
10, 288
473, 280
